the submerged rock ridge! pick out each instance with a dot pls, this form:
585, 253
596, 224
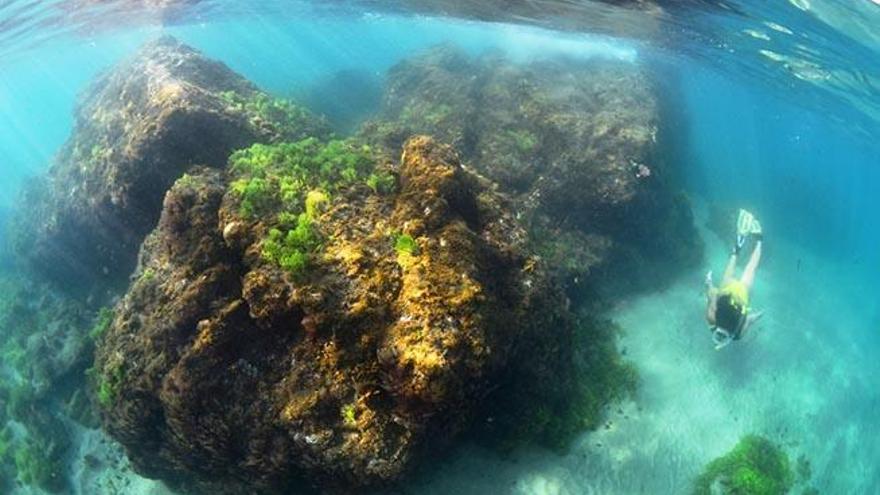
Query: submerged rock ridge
330, 336
574, 141
138, 128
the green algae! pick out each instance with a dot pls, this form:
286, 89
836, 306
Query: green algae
103, 319
523, 140
349, 415
600, 377
429, 112
404, 243
755, 466
292, 183
147, 276
292, 250
34, 452
109, 385
804, 468
187, 180
38, 464
382, 183
98, 154
285, 115
278, 177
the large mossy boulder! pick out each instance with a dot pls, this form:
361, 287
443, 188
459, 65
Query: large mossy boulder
322, 313
137, 129
575, 141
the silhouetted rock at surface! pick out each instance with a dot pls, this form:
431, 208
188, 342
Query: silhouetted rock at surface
138, 128
574, 140
226, 367
624, 18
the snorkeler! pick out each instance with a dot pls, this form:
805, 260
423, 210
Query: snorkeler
727, 307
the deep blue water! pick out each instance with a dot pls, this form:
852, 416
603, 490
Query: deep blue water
801, 149
812, 179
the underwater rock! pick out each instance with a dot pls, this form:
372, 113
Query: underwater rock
574, 140
246, 355
138, 128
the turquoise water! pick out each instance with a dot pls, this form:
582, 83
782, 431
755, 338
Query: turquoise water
771, 108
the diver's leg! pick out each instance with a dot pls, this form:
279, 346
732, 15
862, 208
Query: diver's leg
728, 271
748, 277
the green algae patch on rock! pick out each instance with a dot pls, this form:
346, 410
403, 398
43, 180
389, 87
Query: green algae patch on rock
137, 129
755, 466
239, 373
285, 187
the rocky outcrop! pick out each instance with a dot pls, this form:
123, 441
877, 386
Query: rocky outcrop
235, 361
137, 129
574, 141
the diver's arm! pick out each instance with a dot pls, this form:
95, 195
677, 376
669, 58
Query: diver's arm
710, 310
711, 290
751, 318
711, 297
711, 304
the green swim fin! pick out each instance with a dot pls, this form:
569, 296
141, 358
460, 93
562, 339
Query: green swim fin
747, 224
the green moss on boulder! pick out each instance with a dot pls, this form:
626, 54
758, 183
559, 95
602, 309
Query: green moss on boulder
755, 466
285, 187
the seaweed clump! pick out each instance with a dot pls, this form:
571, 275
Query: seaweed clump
755, 466
286, 186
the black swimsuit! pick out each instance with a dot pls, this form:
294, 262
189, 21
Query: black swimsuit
729, 316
